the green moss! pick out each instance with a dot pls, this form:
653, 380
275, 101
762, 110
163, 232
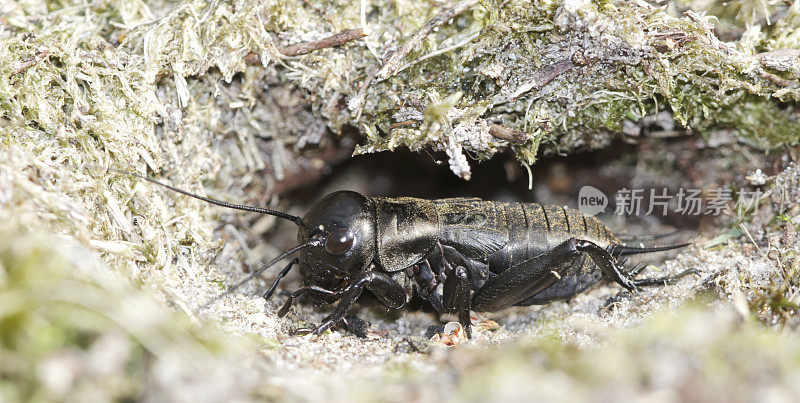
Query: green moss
68, 331
497, 55
629, 57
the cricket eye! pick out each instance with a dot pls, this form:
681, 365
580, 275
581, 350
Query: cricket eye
339, 241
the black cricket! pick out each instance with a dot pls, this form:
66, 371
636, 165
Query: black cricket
458, 254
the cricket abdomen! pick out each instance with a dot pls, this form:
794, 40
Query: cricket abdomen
552, 225
534, 229
504, 234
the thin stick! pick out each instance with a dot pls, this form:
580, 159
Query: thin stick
360, 98
439, 52
339, 39
776, 79
495, 130
29, 62
539, 80
504, 133
392, 64
343, 37
404, 123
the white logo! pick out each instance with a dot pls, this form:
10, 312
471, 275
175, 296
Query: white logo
591, 201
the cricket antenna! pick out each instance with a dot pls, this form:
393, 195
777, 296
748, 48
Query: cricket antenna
231, 289
297, 220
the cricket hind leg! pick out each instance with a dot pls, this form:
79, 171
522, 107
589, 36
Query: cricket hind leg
638, 268
572, 285
664, 280
607, 261
527, 279
573, 282
565, 288
646, 282
609, 266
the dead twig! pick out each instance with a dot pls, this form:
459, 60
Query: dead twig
497, 131
504, 133
776, 79
29, 62
541, 78
392, 64
788, 55
776, 59
339, 39
343, 37
404, 123
358, 100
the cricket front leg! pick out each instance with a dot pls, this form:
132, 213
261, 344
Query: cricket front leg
458, 297
385, 289
313, 289
348, 297
281, 275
